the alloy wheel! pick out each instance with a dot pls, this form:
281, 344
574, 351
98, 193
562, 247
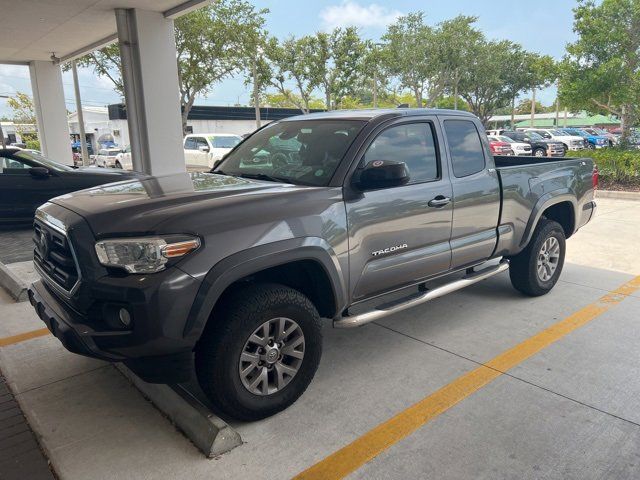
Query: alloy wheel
548, 258
272, 356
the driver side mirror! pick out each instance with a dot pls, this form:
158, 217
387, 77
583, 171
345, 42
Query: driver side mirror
383, 174
203, 149
40, 172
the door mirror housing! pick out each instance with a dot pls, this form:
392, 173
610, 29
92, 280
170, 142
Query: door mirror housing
383, 174
40, 172
203, 149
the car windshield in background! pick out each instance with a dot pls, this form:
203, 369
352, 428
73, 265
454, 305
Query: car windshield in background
43, 161
224, 142
535, 137
305, 152
502, 138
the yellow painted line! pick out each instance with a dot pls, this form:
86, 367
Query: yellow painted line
365, 448
23, 336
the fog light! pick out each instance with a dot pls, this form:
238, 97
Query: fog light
124, 316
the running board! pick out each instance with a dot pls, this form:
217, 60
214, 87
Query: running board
380, 312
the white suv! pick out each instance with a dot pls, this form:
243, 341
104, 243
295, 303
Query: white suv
204, 149
571, 142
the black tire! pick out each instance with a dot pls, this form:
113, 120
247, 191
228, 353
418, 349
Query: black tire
523, 267
217, 354
539, 152
117, 165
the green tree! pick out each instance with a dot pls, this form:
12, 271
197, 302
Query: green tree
455, 39
22, 106
452, 103
341, 56
296, 61
601, 71
211, 44
410, 56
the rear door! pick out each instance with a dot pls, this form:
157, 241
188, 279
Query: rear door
21, 193
190, 151
476, 192
396, 237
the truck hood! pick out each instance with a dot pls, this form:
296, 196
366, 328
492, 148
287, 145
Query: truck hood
138, 206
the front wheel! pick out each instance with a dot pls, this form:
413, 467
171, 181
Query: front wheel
539, 152
259, 351
536, 269
118, 165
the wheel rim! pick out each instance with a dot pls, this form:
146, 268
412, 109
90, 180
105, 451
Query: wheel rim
548, 258
272, 356
539, 153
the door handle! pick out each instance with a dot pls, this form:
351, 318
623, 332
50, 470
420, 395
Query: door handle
439, 201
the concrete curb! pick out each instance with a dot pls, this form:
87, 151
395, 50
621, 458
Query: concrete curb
618, 195
13, 284
207, 431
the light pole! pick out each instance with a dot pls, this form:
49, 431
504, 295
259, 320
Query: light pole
4, 144
83, 137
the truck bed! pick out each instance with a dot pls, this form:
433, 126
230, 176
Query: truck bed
526, 182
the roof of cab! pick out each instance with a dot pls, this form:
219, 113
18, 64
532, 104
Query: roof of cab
372, 113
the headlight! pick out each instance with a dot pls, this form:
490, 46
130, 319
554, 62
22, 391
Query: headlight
143, 255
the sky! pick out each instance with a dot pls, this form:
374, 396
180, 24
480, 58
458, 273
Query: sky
544, 26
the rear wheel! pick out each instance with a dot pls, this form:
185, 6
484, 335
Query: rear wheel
259, 351
118, 165
536, 269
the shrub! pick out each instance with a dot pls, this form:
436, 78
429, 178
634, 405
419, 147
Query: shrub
616, 165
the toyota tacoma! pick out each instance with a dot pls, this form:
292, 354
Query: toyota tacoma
348, 216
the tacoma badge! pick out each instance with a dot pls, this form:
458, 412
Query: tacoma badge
389, 250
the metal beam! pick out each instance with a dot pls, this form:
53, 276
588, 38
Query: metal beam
184, 8
103, 42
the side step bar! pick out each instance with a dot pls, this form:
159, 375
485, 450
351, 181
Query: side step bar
380, 312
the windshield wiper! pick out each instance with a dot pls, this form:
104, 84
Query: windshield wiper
264, 176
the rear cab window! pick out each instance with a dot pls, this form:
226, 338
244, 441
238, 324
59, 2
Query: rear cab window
467, 150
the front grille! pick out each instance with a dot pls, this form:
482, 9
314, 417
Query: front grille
53, 255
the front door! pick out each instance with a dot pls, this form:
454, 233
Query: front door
399, 236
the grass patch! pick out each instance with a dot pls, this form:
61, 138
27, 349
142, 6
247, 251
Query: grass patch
619, 168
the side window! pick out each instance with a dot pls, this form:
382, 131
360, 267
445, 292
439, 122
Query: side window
467, 151
11, 166
201, 142
190, 144
413, 144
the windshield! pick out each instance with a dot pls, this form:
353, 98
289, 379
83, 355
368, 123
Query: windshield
556, 132
305, 152
535, 137
45, 162
502, 138
224, 142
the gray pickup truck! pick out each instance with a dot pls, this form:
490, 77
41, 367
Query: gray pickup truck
348, 216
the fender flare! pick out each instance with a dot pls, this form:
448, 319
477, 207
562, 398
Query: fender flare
253, 260
545, 201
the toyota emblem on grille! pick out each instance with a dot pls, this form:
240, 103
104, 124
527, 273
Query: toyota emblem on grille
44, 244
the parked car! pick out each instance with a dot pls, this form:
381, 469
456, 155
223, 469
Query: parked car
123, 159
540, 147
239, 265
570, 142
498, 147
591, 141
517, 148
107, 157
612, 139
205, 149
27, 180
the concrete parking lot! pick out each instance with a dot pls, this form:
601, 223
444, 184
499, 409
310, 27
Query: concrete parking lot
484, 383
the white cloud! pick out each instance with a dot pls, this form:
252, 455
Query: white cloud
350, 13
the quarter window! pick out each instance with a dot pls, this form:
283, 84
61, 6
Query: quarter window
467, 151
413, 144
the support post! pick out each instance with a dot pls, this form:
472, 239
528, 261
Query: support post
150, 78
51, 113
83, 137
